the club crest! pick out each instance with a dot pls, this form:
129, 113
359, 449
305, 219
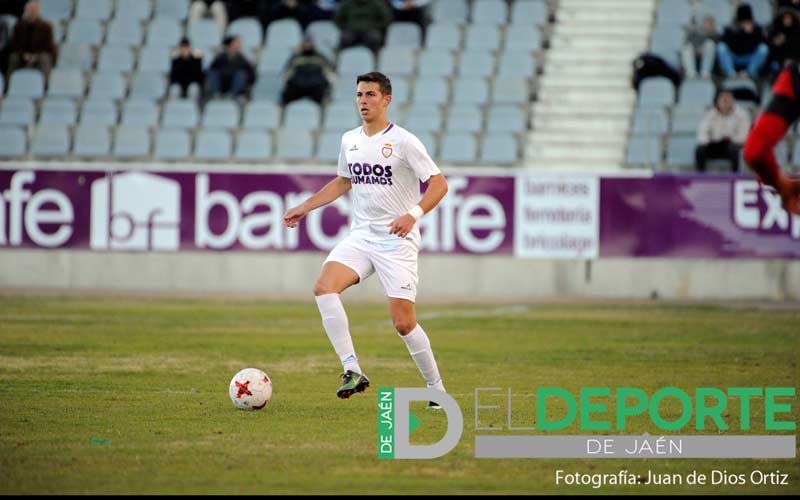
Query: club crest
387, 150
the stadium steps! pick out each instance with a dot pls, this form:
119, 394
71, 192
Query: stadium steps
585, 99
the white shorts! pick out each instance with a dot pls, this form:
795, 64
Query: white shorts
395, 263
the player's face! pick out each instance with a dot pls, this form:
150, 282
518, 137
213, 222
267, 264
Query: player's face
371, 102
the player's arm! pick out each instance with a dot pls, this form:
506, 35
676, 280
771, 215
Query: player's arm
769, 129
330, 192
437, 188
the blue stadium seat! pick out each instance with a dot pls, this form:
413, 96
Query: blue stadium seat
253, 145
140, 113
26, 83
150, 85
508, 90
443, 36
675, 12
656, 92
326, 37
329, 146
459, 147
340, 117
131, 142
507, 118
304, 114
123, 31
680, 150
404, 34
355, 61
470, 91
450, 11
85, 31
492, 12
527, 12
154, 59
401, 91
75, 56
115, 58
686, 120
205, 34
517, 63
172, 144
698, 93
464, 118
268, 87
477, 63
66, 83
58, 111
644, 150
99, 113
92, 142
175, 9
650, 121
17, 110
50, 141
499, 149
249, 30
133, 10
107, 86
262, 115
213, 145
432, 90
220, 114
721, 10
483, 36
164, 32
523, 37
180, 113
13, 141
436, 62
96, 10
423, 118
56, 10
397, 61
284, 33
294, 145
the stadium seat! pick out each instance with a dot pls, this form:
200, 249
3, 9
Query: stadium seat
516, 63
284, 33
115, 58
493, 12
175, 9
205, 34
522, 37
180, 113
432, 90
355, 61
272, 60
154, 59
450, 11
650, 121
99, 113
253, 145
326, 37
721, 10
401, 92
304, 114
404, 34
262, 115
644, 150
340, 117
527, 12
436, 62
464, 118
249, 30
674, 12
470, 91
107, 86
140, 113
443, 36
686, 120
696, 93
294, 145
666, 42
680, 150
220, 114
458, 147
482, 36
17, 110
423, 118
507, 90
58, 111
133, 10
66, 83
172, 144
507, 118
123, 32
26, 83
13, 142
87, 31
75, 56
164, 32
329, 146
429, 141
499, 149
477, 63
762, 12
656, 92
212, 145
92, 142
397, 61
150, 85
95, 10
50, 141
56, 10
131, 142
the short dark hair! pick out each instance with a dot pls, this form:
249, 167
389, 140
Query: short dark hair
379, 78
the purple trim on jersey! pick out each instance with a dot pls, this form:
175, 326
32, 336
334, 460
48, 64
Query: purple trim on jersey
388, 128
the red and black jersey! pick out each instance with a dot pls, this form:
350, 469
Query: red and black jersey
772, 124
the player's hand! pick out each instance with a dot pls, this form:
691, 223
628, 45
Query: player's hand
789, 189
293, 216
402, 225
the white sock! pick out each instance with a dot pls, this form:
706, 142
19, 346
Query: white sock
420, 349
334, 320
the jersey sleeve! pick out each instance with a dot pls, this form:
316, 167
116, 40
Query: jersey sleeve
419, 160
342, 170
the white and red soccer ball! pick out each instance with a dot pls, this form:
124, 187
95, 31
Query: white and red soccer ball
250, 389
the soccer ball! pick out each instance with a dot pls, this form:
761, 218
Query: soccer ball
250, 389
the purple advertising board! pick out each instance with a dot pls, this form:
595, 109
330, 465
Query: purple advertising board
202, 211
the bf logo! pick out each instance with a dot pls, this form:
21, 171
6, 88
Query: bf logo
395, 423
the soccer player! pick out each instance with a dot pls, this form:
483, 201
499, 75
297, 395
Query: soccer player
383, 164
782, 110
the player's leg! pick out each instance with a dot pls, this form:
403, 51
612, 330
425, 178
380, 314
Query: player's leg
417, 342
343, 268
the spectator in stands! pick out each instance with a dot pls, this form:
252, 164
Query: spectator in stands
362, 22
789, 4
230, 72
699, 50
415, 11
308, 74
327, 8
186, 70
784, 39
213, 8
32, 44
743, 45
304, 11
722, 132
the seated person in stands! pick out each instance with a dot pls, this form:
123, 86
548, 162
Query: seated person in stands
783, 37
362, 22
308, 74
32, 44
700, 49
304, 11
230, 73
722, 132
187, 69
415, 11
743, 46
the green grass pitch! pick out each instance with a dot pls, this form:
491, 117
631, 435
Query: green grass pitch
116, 394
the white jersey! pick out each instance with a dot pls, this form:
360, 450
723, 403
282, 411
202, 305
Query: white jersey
385, 171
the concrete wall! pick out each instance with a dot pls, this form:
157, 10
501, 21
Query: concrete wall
442, 278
